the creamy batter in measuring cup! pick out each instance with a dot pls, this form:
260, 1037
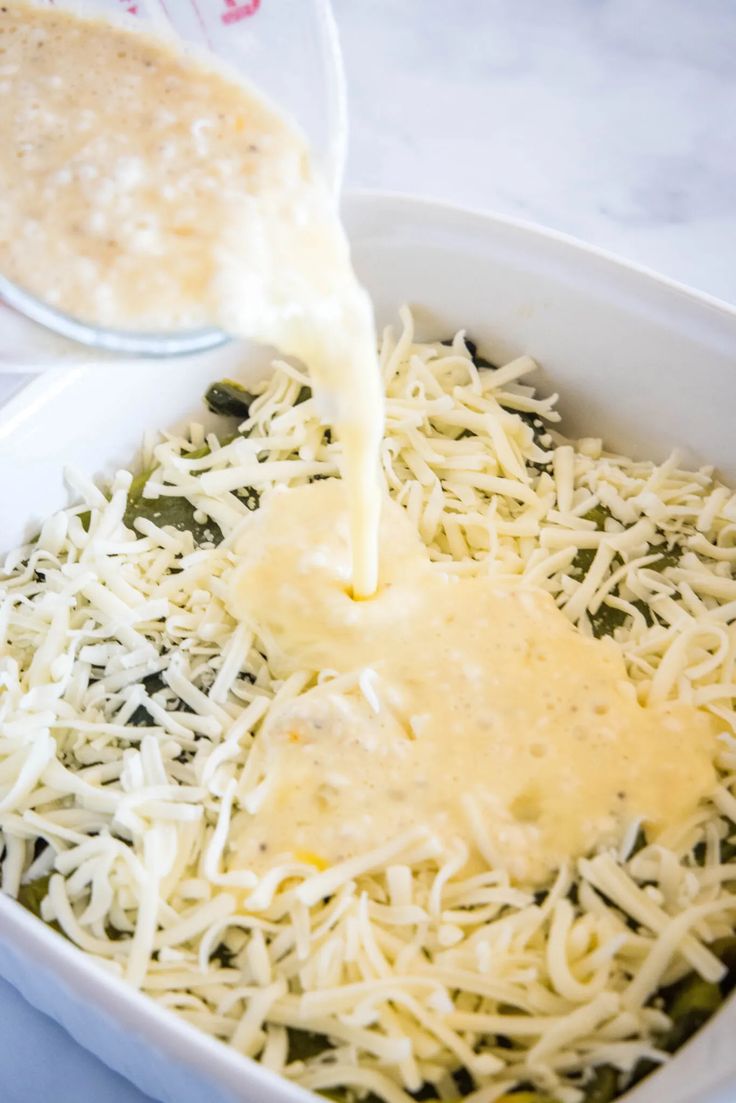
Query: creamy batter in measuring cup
289, 51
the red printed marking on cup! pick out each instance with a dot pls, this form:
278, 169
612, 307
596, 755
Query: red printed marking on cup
237, 11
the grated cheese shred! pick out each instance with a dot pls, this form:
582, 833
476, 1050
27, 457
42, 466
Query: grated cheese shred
131, 702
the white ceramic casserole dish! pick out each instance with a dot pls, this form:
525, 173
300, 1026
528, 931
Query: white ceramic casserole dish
641, 361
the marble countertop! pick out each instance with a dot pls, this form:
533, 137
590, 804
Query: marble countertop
609, 119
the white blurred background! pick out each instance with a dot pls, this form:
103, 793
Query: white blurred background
613, 120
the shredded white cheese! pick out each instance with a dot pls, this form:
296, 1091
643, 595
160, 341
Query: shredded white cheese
130, 702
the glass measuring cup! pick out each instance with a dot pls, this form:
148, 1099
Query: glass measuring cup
288, 50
